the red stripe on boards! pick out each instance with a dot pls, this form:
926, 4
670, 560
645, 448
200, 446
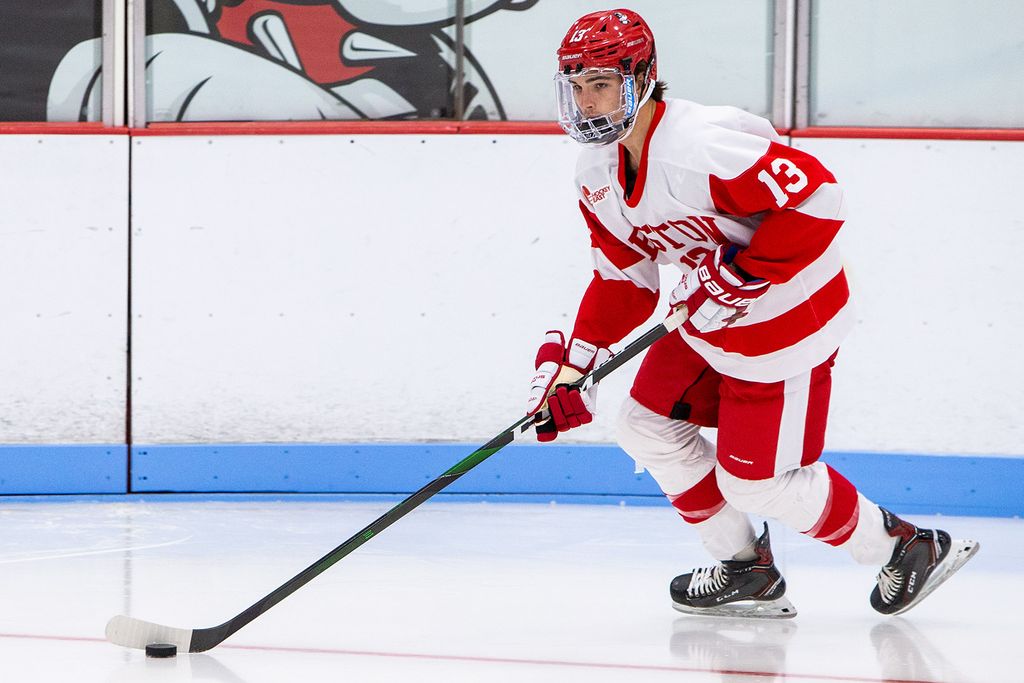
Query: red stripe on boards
59, 128
855, 132
463, 127
362, 127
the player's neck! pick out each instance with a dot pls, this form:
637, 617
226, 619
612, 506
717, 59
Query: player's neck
634, 142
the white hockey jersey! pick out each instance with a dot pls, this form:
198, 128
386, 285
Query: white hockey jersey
709, 176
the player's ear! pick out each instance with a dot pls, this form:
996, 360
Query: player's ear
639, 74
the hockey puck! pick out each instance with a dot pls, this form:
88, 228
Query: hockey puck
161, 650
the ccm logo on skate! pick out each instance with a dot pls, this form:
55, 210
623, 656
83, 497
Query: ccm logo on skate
745, 462
727, 596
597, 195
911, 582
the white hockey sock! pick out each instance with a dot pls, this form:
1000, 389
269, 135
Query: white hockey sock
728, 534
870, 543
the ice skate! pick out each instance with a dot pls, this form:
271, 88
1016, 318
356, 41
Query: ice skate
735, 588
921, 561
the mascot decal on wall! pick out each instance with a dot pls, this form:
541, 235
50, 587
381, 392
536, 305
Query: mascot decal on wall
238, 60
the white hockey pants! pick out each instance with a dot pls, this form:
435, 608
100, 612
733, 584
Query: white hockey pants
814, 499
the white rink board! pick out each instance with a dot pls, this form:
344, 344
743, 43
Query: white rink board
64, 274
934, 364
338, 289
395, 288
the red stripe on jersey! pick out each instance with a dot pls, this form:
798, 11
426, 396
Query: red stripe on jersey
611, 309
785, 243
621, 255
633, 198
701, 501
781, 179
817, 411
842, 511
786, 329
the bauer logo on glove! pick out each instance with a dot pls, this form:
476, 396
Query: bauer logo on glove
714, 293
558, 368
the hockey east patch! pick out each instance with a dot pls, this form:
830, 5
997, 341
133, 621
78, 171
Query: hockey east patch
597, 195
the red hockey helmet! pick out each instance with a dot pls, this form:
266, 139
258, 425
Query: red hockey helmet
611, 39
614, 42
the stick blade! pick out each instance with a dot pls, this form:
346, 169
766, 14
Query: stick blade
136, 633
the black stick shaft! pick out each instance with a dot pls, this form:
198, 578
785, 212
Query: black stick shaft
204, 639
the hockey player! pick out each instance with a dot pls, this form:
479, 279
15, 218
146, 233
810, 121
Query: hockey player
751, 224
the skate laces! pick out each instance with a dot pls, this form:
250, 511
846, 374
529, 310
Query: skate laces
707, 580
890, 581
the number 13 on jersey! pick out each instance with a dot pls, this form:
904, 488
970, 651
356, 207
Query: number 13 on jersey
787, 171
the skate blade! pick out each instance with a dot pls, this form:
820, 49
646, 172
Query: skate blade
959, 552
781, 608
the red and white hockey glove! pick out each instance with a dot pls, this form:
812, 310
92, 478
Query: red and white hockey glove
716, 294
558, 367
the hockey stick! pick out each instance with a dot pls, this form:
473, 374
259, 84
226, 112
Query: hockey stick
136, 633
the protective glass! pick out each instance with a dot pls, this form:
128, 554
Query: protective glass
605, 128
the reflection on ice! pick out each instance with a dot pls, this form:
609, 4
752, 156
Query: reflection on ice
905, 653
730, 646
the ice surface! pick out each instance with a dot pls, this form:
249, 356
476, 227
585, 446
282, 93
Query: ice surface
469, 592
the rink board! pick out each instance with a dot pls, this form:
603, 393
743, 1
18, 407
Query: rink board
63, 469
574, 473
585, 473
